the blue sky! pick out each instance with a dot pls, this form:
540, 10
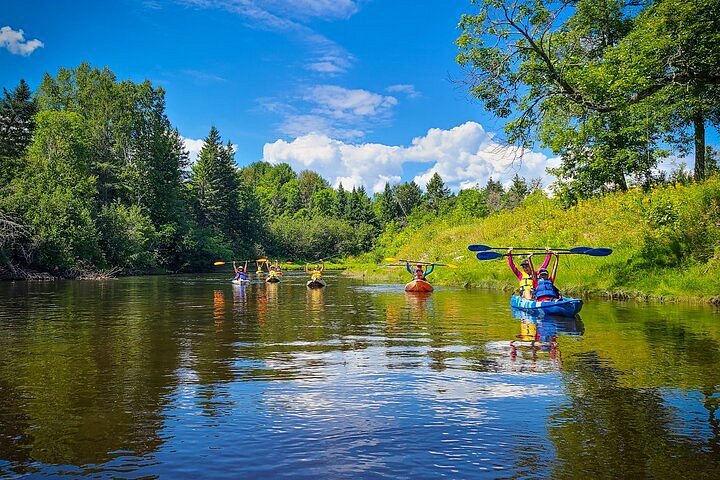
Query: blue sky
362, 91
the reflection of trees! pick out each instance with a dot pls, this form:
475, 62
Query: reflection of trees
87, 371
609, 430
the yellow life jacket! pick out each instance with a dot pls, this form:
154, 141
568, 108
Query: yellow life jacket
317, 275
272, 273
526, 282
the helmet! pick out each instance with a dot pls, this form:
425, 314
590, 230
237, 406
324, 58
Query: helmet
543, 271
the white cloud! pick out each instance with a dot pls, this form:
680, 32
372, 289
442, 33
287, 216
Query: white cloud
463, 156
15, 42
333, 111
288, 16
193, 146
405, 89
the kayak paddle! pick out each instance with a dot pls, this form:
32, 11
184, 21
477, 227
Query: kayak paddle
393, 259
593, 252
484, 248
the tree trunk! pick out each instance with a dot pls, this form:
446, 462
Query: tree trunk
699, 124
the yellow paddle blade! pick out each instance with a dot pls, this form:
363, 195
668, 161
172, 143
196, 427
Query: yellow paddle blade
451, 265
288, 261
391, 259
261, 260
218, 263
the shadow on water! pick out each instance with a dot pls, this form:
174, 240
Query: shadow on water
191, 376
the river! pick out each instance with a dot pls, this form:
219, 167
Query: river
192, 377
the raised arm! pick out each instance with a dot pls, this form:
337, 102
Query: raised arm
511, 262
407, 267
322, 265
532, 268
429, 269
548, 256
307, 268
554, 269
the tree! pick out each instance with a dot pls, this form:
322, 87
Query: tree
388, 210
214, 186
552, 67
17, 111
437, 193
408, 196
309, 182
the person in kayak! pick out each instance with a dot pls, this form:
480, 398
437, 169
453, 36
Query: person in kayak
278, 268
316, 273
240, 272
527, 277
272, 271
260, 270
545, 289
419, 272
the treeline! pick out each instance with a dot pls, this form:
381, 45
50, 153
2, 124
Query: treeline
93, 175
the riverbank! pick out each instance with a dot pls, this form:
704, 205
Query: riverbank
666, 244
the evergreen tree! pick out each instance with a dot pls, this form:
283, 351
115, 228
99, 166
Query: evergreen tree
437, 193
409, 196
387, 206
17, 111
494, 193
214, 186
341, 202
517, 192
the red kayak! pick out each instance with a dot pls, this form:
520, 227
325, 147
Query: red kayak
418, 286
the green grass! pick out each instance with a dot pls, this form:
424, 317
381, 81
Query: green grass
666, 244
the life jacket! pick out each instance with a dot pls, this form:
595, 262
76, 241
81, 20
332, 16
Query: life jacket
546, 288
241, 276
272, 273
316, 275
526, 282
419, 274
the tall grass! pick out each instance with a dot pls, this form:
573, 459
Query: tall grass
666, 243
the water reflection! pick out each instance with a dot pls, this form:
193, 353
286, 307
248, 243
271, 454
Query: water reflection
194, 377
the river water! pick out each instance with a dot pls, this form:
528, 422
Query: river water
192, 377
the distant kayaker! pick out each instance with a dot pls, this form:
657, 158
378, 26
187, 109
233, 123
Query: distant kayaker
240, 272
316, 273
527, 280
419, 273
545, 289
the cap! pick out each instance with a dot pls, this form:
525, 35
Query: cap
543, 270
524, 262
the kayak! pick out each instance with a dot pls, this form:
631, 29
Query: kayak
316, 284
240, 282
272, 280
418, 286
565, 307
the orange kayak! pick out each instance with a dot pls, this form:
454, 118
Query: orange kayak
418, 286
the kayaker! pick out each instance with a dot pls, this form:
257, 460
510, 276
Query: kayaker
240, 272
527, 280
316, 273
272, 271
419, 272
278, 268
545, 289
259, 268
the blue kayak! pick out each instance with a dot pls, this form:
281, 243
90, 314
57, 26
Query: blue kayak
565, 307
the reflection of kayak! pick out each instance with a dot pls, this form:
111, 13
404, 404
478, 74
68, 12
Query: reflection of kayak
418, 286
566, 307
316, 284
240, 282
272, 280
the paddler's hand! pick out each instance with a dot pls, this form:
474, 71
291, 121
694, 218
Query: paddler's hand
547, 249
510, 250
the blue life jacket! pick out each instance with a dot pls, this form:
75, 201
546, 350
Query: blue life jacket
240, 276
545, 288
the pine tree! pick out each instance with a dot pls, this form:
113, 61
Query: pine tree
437, 193
17, 111
388, 207
341, 202
214, 184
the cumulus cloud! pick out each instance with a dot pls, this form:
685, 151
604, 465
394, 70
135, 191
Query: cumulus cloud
193, 146
15, 42
290, 17
405, 89
333, 111
463, 156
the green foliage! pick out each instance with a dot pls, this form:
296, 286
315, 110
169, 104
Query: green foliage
306, 239
127, 236
55, 197
17, 111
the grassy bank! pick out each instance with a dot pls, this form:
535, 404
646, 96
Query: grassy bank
666, 244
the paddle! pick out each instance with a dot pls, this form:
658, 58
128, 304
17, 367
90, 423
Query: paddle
484, 248
393, 259
230, 261
593, 252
